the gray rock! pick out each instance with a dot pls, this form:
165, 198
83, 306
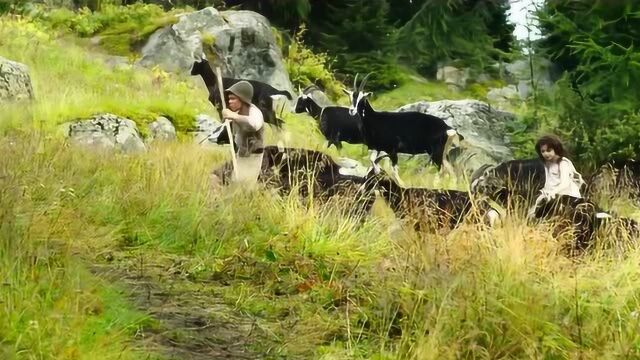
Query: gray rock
105, 132
519, 74
320, 97
455, 78
243, 42
15, 82
162, 129
483, 129
350, 166
206, 127
503, 95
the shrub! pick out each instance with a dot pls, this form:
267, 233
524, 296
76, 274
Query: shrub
121, 28
306, 67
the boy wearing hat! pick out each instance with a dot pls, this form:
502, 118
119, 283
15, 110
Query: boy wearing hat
248, 119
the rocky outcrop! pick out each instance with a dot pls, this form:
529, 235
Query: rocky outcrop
207, 130
161, 130
104, 132
242, 44
456, 79
483, 129
503, 96
15, 81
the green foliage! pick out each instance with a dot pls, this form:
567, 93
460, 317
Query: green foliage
386, 72
595, 44
70, 83
121, 28
474, 32
357, 33
306, 67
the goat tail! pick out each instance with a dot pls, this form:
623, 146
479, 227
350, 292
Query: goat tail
285, 93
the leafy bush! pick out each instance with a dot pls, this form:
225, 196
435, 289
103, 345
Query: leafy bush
121, 28
474, 32
306, 67
594, 43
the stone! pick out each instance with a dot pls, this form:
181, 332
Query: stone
242, 41
15, 81
162, 129
105, 132
483, 129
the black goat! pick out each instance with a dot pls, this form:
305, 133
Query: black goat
262, 93
335, 122
409, 132
523, 179
509, 180
585, 218
312, 172
429, 209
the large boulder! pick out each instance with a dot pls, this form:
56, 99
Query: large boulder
519, 73
483, 129
15, 82
455, 78
242, 41
104, 132
162, 130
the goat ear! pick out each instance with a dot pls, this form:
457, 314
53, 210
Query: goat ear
367, 94
347, 92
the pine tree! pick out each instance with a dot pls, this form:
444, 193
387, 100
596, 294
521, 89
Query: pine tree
594, 43
471, 30
288, 14
358, 34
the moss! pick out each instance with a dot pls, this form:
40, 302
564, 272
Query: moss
116, 44
208, 39
127, 38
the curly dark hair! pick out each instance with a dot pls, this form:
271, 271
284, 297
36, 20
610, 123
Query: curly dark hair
552, 142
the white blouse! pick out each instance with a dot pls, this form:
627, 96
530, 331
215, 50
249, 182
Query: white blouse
561, 179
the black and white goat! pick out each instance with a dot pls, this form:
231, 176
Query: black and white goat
408, 132
335, 122
262, 93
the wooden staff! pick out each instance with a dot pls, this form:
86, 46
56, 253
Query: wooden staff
227, 124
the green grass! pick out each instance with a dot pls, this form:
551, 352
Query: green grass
320, 284
122, 30
71, 83
51, 307
413, 91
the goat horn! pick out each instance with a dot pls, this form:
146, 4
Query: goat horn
355, 81
364, 82
299, 91
377, 160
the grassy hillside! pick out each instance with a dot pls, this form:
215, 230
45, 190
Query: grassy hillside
197, 270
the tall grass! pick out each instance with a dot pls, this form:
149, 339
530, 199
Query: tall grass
50, 306
321, 284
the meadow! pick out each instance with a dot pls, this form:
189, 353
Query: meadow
106, 255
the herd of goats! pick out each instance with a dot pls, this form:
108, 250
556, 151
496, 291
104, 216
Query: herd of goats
386, 134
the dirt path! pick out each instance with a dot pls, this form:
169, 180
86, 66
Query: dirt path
194, 322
